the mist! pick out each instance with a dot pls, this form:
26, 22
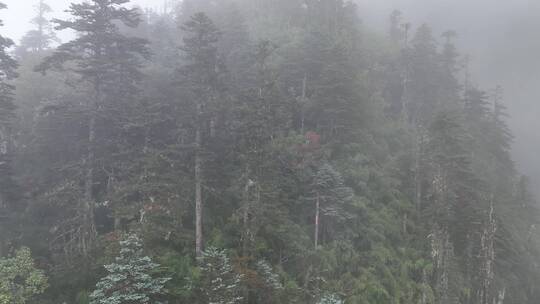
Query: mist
269, 151
502, 40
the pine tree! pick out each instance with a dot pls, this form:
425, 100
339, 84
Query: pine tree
109, 63
130, 278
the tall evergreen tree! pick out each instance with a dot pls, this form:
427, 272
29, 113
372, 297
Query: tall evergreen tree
130, 278
108, 64
8, 187
252, 148
220, 284
40, 38
200, 79
330, 196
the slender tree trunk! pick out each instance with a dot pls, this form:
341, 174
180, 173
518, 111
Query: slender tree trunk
88, 228
40, 26
487, 248
198, 188
404, 223
303, 105
417, 171
246, 222
3, 153
317, 219
246, 210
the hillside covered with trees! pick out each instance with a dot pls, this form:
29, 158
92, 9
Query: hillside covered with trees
255, 151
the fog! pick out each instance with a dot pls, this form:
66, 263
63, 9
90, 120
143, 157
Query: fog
270, 151
20, 12
502, 40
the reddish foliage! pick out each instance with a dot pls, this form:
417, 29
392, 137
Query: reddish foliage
313, 139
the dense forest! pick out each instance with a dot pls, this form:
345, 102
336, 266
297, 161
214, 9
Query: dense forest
255, 151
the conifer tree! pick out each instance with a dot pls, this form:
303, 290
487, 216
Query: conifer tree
40, 38
130, 278
330, 196
330, 299
221, 285
8, 187
422, 98
200, 78
109, 64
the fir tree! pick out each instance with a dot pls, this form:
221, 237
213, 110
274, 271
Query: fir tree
220, 283
330, 196
109, 63
130, 278
40, 38
9, 192
200, 78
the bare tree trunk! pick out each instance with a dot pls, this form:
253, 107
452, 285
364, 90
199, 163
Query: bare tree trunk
246, 212
487, 247
246, 222
442, 255
88, 228
303, 105
198, 188
317, 219
404, 223
3, 152
417, 173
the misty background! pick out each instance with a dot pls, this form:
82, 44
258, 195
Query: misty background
501, 38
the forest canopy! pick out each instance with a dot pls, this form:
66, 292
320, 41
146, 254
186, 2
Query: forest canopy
241, 152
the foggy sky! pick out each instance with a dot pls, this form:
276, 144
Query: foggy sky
503, 41
501, 37
17, 16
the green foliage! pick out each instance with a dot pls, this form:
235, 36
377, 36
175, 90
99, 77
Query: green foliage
271, 279
220, 283
329, 186
130, 278
278, 111
330, 299
20, 280
8, 66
